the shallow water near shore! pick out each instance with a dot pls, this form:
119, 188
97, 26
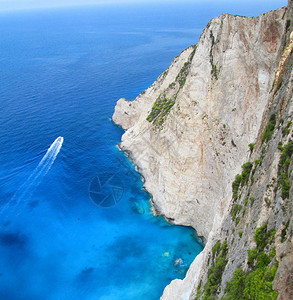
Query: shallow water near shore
64, 232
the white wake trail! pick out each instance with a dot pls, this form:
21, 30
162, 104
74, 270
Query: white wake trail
37, 175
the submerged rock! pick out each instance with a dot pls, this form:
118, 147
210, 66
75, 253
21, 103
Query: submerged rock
178, 262
138, 208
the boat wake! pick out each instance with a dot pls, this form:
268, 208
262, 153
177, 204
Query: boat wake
37, 175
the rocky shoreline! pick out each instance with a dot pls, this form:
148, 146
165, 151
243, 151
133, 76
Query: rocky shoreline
155, 211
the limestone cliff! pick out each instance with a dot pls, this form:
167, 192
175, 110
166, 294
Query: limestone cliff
251, 254
189, 133
217, 91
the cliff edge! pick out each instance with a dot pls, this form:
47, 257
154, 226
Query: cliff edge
202, 122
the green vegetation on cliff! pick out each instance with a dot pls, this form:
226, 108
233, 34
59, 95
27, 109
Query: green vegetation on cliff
163, 105
214, 70
215, 272
269, 129
241, 179
181, 77
257, 281
160, 110
235, 210
284, 164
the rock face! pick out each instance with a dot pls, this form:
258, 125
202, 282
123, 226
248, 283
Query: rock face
219, 88
189, 132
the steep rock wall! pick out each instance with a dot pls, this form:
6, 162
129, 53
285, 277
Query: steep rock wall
189, 153
258, 228
189, 134
261, 203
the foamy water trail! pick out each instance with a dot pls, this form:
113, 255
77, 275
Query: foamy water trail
37, 175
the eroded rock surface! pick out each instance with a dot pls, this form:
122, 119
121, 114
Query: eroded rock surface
189, 158
189, 132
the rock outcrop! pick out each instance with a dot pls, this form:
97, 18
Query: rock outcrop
189, 132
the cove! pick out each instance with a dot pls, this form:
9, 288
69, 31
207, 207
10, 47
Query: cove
62, 70
62, 73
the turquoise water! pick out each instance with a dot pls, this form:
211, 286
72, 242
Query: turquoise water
62, 235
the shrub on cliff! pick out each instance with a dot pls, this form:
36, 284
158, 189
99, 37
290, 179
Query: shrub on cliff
269, 129
284, 164
215, 273
246, 172
251, 147
235, 186
241, 179
160, 110
257, 281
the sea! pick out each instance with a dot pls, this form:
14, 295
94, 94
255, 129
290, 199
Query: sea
75, 221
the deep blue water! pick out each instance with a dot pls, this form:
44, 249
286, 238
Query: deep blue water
62, 72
